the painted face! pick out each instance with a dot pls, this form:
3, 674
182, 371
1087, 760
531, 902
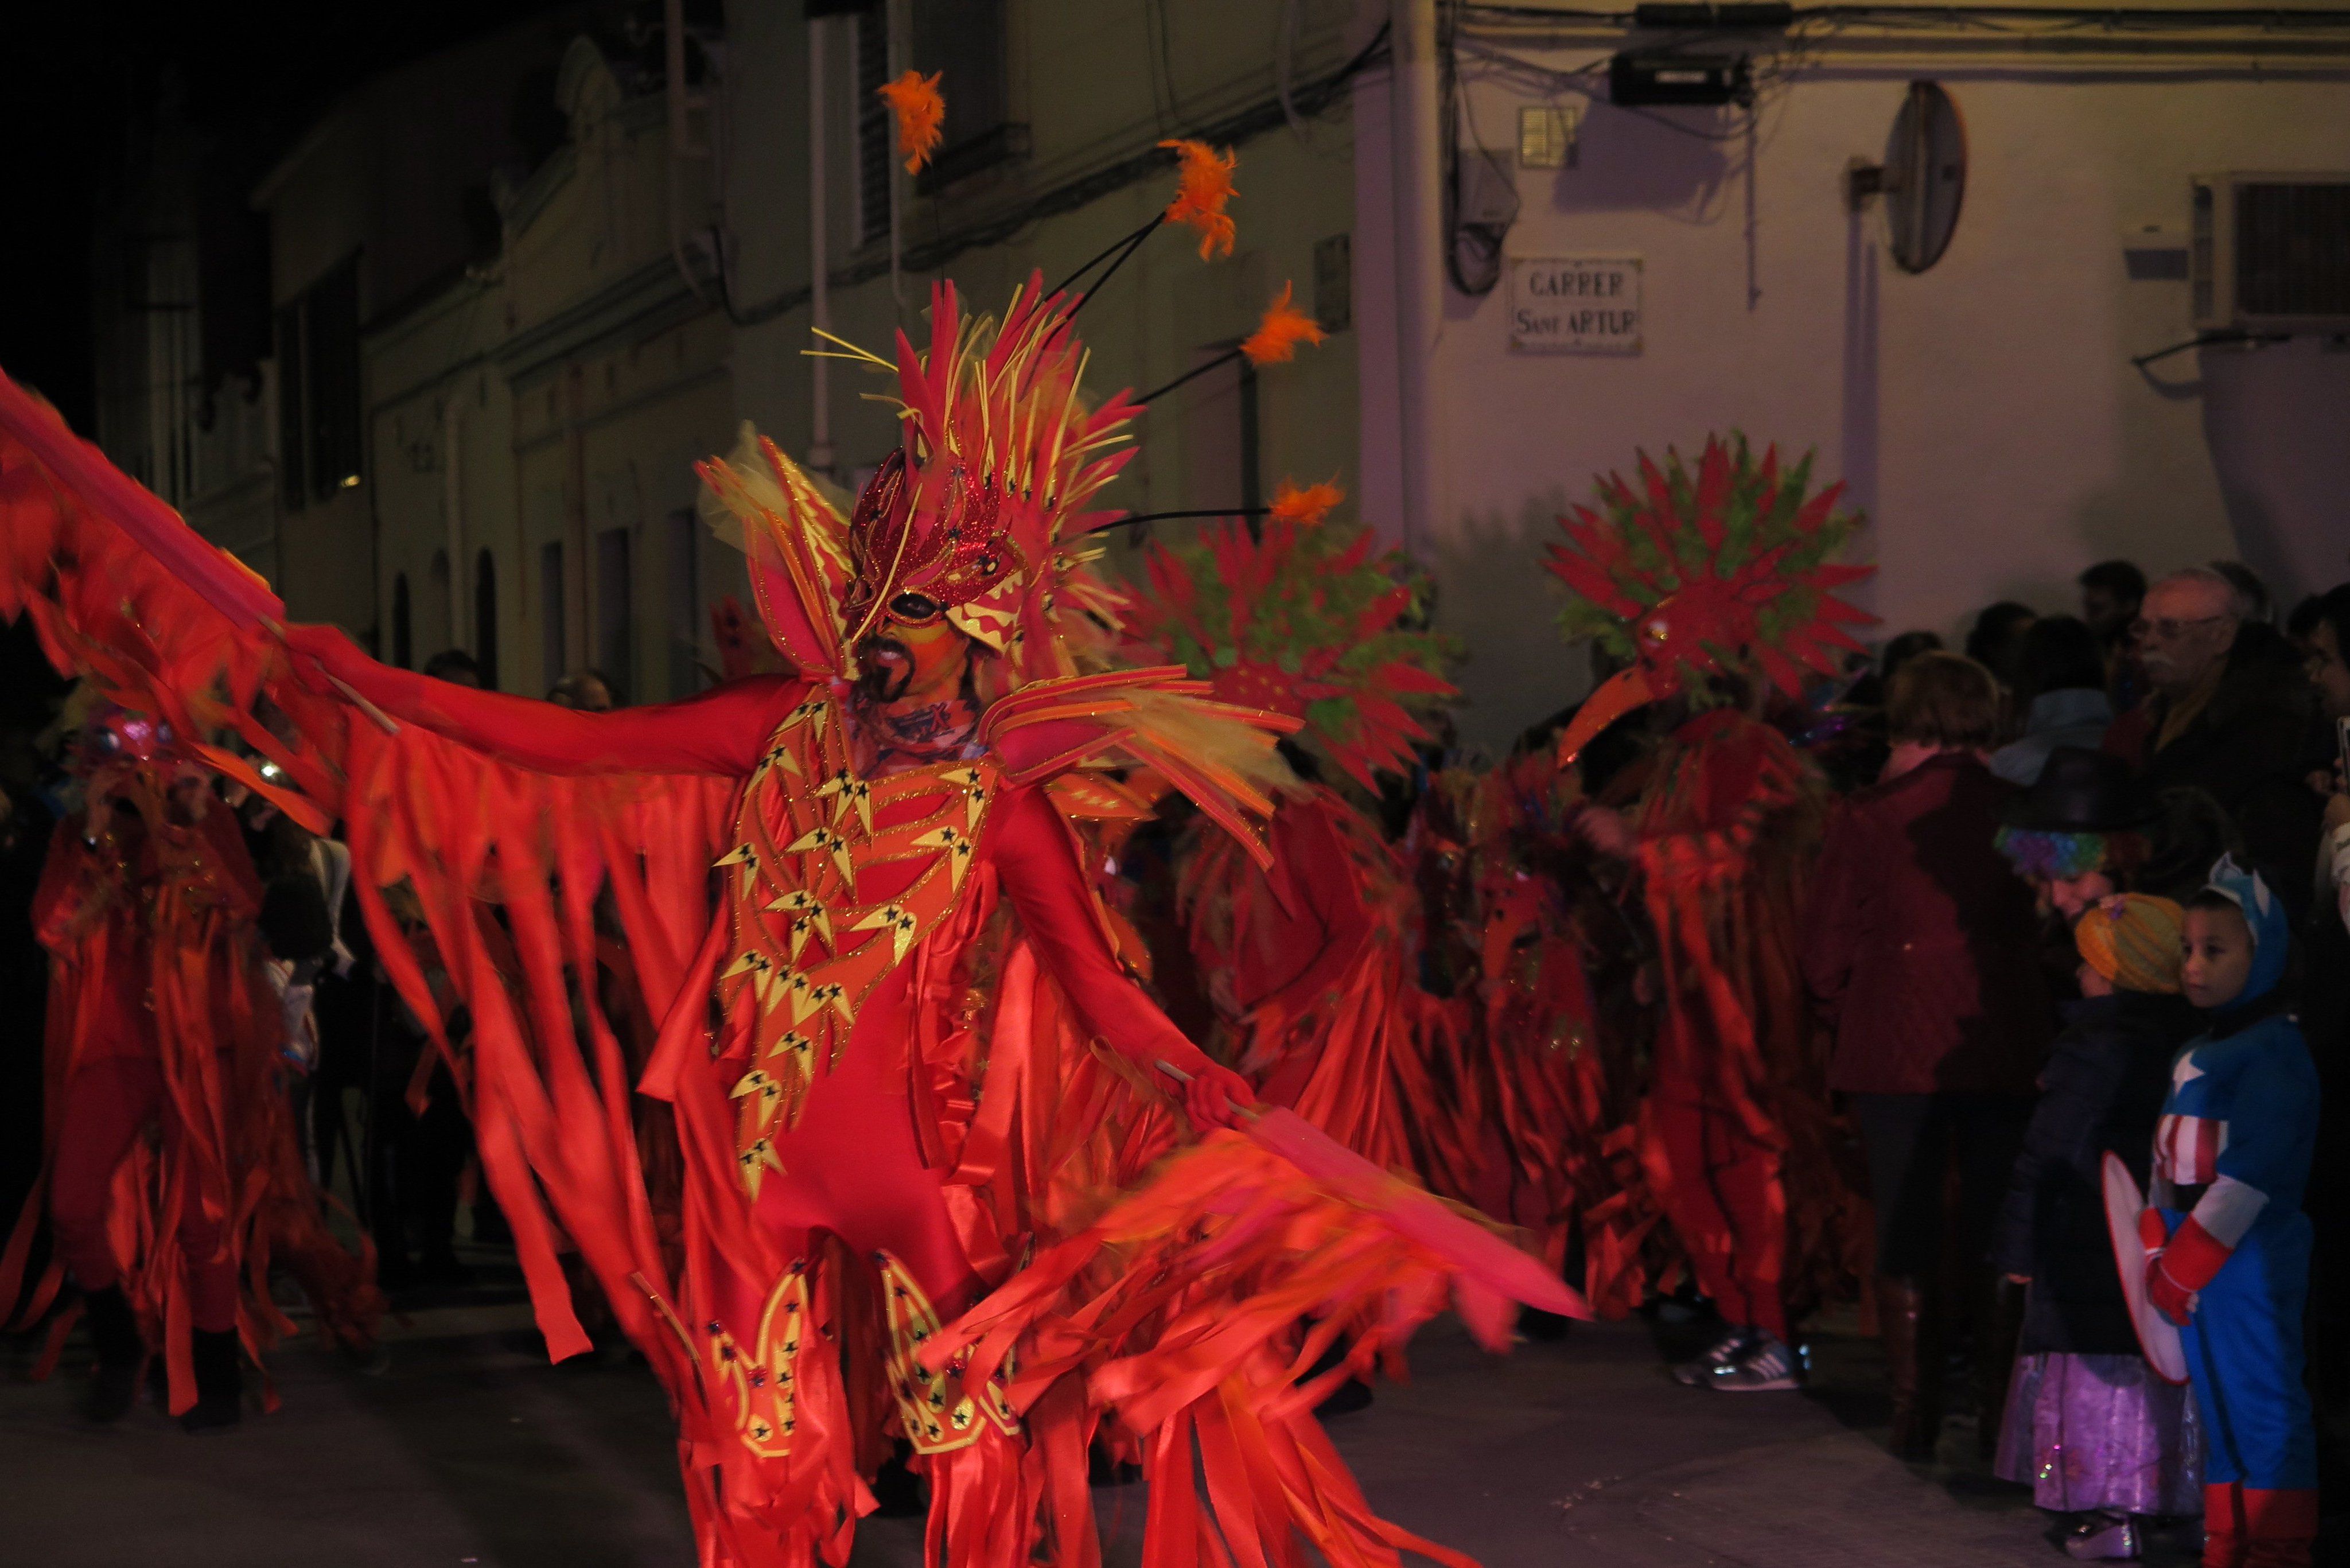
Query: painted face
918, 652
2218, 957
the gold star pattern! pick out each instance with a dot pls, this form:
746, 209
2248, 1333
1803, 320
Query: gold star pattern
764, 1388
937, 1410
755, 1159
807, 995
959, 846
896, 919
845, 790
761, 1094
824, 841
808, 915
762, 970
812, 710
973, 784
794, 830
779, 755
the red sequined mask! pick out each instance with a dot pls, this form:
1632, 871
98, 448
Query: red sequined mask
937, 532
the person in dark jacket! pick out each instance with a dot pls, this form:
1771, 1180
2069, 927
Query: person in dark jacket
2230, 714
1919, 949
2089, 1427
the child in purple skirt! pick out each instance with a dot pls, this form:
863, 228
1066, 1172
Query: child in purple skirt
2099, 1438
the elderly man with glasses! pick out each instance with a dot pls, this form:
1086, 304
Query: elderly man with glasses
2221, 718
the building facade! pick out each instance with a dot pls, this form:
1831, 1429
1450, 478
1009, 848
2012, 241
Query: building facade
1055, 108
1987, 412
517, 290
381, 219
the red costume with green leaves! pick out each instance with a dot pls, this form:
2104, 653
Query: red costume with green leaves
1310, 960
1708, 581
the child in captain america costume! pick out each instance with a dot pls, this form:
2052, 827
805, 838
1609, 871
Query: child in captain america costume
2228, 1243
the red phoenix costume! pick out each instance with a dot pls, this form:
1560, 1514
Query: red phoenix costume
1702, 580
1310, 960
1537, 1103
174, 1175
892, 1103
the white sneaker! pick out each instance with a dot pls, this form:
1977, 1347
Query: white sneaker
1766, 1365
1716, 1359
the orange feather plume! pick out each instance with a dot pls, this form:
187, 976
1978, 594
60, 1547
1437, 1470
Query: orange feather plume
921, 115
1199, 197
1305, 507
1276, 338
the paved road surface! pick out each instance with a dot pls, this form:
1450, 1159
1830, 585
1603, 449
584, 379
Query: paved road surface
468, 1449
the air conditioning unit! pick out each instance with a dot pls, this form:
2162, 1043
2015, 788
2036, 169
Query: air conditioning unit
2270, 252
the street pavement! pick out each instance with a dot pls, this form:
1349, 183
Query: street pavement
468, 1448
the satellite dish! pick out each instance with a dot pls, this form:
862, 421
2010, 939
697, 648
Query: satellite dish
1924, 179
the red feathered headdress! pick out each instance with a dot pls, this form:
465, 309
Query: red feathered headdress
1708, 572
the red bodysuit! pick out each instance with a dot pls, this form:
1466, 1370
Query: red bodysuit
816, 1063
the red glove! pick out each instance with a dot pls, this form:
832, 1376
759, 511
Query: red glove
1216, 1096
2175, 1272
320, 651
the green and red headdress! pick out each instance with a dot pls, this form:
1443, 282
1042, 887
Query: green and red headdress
1723, 569
1305, 618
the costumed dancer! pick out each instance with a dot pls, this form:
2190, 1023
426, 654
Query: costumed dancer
1530, 1115
889, 1108
1309, 962
2091, 1428
1711, 583
2228, 1243
174, 1175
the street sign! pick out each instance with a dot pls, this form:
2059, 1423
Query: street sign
1575, 305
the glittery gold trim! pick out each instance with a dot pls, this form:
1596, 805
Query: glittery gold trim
939, 1412
765, 1386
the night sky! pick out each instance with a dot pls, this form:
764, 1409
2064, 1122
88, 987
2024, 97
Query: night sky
74, 73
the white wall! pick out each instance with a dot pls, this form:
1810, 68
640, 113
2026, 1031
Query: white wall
1985, 413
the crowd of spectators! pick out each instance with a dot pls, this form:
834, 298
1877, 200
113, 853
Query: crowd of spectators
1995, 936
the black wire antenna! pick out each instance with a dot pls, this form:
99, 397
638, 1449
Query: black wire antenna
1237, 513
1226, 357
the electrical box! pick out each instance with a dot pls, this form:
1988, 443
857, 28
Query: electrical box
2270, 253
1547, 136
1635, 80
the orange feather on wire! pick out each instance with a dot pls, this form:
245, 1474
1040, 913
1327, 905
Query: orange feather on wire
1284, 327
1199, 196
1305, 507
921, 115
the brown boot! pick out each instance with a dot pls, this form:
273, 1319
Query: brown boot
1913, 1362
1999, 1323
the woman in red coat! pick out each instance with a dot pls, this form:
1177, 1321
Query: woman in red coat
1919, 949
